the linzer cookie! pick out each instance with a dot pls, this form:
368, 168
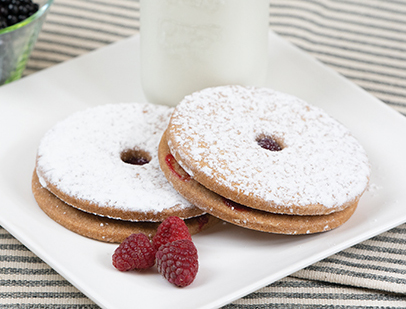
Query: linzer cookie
103, 228
104, 161
268, 151
241, 215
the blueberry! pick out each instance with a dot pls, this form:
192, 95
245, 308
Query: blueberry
14, 11
3, 22
11, 20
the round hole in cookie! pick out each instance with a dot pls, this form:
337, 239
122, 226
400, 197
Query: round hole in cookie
135, 157
269, 143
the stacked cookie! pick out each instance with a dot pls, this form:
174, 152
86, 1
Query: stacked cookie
254, 157
97, 173
263, 160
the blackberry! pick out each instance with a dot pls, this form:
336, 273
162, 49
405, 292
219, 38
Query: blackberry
15, 11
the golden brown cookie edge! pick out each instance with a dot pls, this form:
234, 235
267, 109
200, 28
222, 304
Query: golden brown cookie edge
118, 213
247, 217
102, 228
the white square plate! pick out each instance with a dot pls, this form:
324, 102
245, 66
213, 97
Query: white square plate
233, 261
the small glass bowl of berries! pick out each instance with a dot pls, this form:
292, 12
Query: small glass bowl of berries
20, 23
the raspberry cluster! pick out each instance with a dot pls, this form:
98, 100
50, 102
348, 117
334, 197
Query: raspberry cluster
15, 11
171, 249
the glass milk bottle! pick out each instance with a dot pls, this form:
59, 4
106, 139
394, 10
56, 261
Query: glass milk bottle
188, 45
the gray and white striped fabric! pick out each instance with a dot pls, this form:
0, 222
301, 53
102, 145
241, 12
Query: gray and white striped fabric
363, 40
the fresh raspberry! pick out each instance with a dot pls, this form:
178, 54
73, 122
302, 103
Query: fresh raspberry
135, 252
171, 229
177, 262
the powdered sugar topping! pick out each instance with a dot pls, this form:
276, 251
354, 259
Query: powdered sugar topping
215, 132
81, 156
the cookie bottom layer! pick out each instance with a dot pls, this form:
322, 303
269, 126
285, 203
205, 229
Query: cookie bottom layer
102, 228
241, 215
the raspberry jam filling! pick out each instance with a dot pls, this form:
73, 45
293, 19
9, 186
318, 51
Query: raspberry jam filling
176, 168
135, 157
234, 205
202, 221
269, 143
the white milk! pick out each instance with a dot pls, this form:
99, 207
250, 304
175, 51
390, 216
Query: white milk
188, 45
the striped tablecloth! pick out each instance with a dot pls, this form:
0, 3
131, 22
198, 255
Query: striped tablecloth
364, 40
